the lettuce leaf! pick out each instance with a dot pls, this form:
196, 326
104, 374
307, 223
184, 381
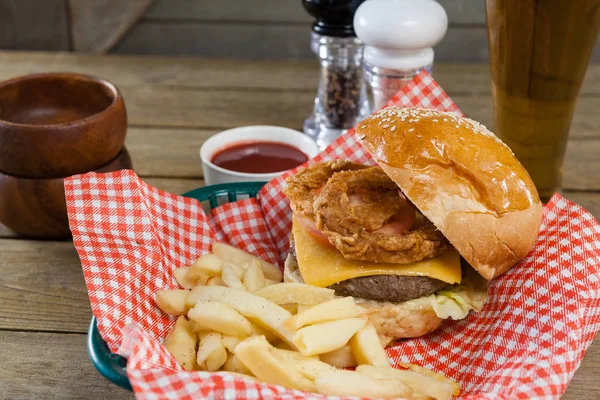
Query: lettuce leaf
456, 301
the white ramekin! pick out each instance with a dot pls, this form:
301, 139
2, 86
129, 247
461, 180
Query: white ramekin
214, 175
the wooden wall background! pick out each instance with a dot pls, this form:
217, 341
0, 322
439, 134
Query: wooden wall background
217, 28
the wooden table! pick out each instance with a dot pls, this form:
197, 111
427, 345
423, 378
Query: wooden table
174, 104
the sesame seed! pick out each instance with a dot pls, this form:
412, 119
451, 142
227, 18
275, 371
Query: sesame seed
393, 128
434, 120
445, 119
411, 129
386, 125
457, 126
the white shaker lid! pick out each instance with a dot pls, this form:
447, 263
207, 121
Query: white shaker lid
400, 34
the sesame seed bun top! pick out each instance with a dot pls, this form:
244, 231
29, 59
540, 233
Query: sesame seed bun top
462, 178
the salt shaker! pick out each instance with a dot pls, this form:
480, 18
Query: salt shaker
341, 97
398, 37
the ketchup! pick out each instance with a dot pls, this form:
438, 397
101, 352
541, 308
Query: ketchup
259, 157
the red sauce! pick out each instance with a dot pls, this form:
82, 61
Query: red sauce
259, 157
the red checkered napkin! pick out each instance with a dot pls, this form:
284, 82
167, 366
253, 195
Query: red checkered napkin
527, 342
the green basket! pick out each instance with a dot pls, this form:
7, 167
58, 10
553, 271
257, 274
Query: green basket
112, 366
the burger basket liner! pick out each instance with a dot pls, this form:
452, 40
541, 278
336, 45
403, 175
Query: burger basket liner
527, 342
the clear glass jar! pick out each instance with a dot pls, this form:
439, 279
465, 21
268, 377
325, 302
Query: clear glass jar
383, 83
341, 100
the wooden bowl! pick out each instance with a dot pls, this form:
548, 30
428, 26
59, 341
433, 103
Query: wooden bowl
58, 124
36, 208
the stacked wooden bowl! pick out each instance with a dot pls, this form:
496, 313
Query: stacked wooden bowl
53, 126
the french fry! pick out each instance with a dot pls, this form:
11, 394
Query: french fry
231, 278
239, 366
432, 374
196, 327
207, 265
367, 348
310, 367
269, 282
248, 376
280, 344
211, 354
287, 293
172, 301
351, 383
221, 318
181, 343
341, 308
183, 280
427, 386
340, 358
215, 281
291, 308
228, 366
259, 330
240, 270
303, 307
295, 355
328, 336
257, 355
254, 278
268, 314
230, 342
238, 256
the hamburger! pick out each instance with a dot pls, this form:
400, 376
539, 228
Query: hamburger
415, 238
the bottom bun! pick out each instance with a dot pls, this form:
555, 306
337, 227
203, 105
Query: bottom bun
392, 321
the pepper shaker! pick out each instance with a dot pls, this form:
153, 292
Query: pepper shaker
341, 97
398, 37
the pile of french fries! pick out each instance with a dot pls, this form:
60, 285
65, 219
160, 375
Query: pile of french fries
236, 316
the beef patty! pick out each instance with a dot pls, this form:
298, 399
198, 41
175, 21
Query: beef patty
388, 287
378, 287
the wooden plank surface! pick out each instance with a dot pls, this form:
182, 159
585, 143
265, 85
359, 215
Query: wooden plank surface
191, 72
186, 72
181, 158
224, 108
97, 25
462, 43
584, 385
51, 366
174, 105
215, 108
42, 287
258, 40
33, 25
281, 11
216, 39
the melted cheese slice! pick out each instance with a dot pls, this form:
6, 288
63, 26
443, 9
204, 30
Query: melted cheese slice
322, 265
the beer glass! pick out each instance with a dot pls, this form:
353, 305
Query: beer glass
539, 52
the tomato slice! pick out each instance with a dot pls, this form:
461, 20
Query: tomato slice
311, 227
402, 221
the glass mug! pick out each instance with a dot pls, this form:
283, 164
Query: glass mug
539, 52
